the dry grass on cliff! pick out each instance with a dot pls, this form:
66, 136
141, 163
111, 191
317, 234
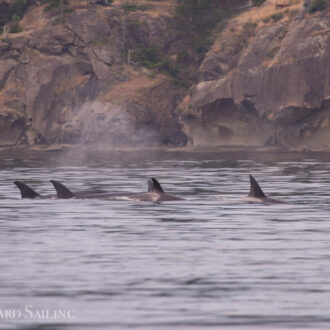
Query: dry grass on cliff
153, 8
34, 19
244, 26
261, 14
137, 84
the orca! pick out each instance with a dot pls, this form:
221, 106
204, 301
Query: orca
63, 192
155, 193
257, 195
28, 192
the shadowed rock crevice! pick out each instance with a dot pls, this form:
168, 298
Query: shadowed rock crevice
225, 123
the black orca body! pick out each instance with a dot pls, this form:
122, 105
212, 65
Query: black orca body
28, 192
257, 195
63, 192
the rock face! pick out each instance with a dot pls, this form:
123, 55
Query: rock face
264, 84
69, 82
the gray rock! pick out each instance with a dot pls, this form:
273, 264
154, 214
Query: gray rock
6, 65
280, 80
56, 91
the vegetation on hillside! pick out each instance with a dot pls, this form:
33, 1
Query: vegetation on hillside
196, 19
15, 25
12, 12
133, 6
318, 5
258, 2
194, 22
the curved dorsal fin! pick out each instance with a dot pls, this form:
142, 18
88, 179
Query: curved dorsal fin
26, 191
255, 190
62, 191
154, 186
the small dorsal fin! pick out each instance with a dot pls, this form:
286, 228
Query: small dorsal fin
26, 191
255, 190
154, 186
62, 191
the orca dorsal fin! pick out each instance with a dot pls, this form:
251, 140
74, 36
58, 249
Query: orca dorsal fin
154, 186
62, 191
255, 190
26, 191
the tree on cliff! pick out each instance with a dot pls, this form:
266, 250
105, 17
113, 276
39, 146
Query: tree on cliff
197, 18
4, 12
14, 11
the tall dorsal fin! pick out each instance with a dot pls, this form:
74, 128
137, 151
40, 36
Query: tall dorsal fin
255, 190
62, 191
154, 186
26, 191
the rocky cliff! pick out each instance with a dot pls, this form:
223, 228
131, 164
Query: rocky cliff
265, 82
74, 78
68, 79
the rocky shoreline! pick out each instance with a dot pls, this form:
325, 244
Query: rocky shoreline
89, 152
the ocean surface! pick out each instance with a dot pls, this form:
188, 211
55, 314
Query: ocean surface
212, 260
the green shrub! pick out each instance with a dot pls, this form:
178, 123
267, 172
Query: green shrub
317, 5
132, 6
4, 13
195, 20
250, 26
258, 2
18, 8
55, 4
51, 4
7, 11
15, 26
151, 57
58, 20
276, 17
183, 57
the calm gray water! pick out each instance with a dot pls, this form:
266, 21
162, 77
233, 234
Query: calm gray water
211, 260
